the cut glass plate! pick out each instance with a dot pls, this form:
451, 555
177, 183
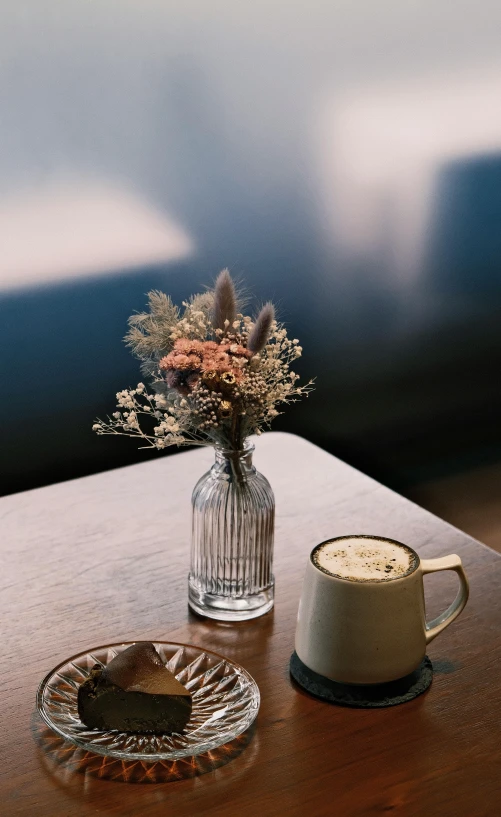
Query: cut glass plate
225, 703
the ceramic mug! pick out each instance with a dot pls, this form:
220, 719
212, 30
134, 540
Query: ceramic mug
370, 631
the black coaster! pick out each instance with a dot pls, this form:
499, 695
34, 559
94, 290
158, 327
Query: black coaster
363, 696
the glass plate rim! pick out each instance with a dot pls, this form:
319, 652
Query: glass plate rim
134, 756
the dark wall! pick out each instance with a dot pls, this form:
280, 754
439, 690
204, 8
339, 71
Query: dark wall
344, 160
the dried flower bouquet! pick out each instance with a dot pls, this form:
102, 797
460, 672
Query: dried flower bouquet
216, 375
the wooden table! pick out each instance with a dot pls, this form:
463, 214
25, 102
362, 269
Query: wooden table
105, 559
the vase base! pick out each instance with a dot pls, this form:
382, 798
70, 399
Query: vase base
229, 608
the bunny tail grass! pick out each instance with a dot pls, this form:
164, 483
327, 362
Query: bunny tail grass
259, 336
225, 300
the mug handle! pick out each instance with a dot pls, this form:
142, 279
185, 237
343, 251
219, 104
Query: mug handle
453, 562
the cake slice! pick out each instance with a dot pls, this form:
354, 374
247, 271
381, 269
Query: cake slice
134, 693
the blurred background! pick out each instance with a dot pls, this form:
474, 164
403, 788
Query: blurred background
341, 158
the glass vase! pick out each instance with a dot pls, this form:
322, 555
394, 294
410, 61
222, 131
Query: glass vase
233, 520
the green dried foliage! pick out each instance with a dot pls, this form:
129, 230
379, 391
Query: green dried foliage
149, 332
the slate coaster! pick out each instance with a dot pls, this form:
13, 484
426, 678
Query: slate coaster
363, 696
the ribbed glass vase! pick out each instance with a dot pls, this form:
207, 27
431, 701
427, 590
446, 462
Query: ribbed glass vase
233, 505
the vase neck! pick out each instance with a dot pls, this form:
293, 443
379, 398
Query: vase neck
230, 461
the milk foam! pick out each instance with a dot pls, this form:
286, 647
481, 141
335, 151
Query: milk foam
363, 559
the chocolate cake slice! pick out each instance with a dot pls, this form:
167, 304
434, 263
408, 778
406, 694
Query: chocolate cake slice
134, 693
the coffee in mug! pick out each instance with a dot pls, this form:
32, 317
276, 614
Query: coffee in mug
363, 559
361, 617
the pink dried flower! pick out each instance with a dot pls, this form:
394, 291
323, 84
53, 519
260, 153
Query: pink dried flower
216, 361
178, 360
187, 346
189, 359
165, 362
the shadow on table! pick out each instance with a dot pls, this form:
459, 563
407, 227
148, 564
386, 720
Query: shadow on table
63, 760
